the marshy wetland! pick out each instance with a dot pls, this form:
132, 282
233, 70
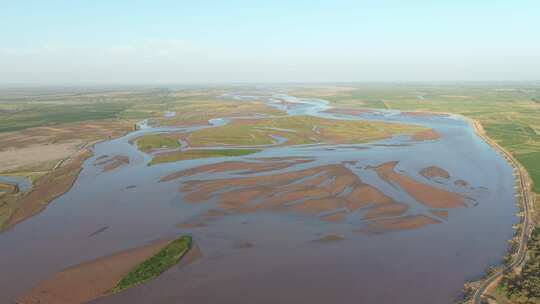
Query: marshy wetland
287, 200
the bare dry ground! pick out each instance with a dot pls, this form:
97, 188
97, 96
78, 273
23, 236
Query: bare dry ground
40, 148
18, 207
36, 156
52, 157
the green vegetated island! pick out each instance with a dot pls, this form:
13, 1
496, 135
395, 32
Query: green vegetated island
247, 136
167, 257
157, 141
197, 154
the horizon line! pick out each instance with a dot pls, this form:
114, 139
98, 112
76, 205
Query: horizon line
240, 83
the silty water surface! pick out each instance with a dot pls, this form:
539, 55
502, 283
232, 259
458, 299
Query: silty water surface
130, 208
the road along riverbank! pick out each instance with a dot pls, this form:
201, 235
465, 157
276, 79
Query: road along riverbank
526, 199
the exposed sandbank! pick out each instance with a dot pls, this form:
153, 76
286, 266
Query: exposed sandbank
349, 111
461, 183
426, 135
330, 238
240, 166
440, 213
434, 172
423, 114
331, 193
111, 163
90, 280
401, 223
428, 195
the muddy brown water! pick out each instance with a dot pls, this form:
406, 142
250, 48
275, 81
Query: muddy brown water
282, 263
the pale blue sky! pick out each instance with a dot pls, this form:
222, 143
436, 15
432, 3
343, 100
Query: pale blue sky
267, 41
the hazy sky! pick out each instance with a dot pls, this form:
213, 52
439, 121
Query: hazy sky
117, 41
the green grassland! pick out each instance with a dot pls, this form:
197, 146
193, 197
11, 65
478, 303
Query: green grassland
251, 133
40, 115
531, 161
200, 111
297, 130
36, 107
157, 264
199, 153
157, 141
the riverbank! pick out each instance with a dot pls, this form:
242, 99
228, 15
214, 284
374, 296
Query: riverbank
44, 190
49, 184
481, 289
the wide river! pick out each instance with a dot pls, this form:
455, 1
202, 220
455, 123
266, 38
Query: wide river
270, 257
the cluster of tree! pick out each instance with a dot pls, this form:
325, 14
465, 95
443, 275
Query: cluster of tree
524, 287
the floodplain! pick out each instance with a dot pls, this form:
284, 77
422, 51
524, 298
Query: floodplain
268, 182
